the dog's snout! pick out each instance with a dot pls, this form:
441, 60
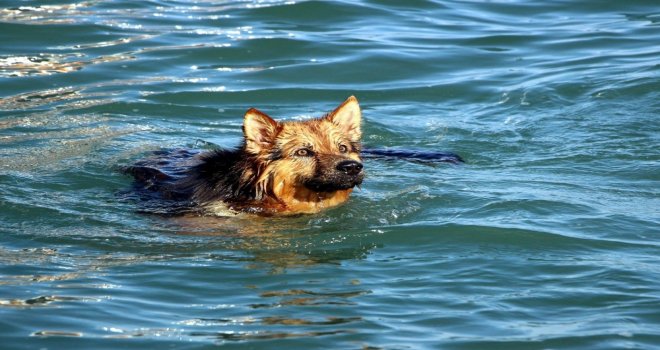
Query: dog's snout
350, 167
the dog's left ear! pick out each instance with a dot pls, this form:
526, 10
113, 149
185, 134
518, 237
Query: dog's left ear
347, 117
260, 130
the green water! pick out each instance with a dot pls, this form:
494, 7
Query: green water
547, 238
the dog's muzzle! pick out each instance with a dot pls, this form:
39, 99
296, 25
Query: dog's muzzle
346, 174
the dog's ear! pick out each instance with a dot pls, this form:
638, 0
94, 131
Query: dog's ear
347, 117
259, 129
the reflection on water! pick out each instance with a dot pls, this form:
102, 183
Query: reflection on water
274, 244
71, 145
45, 14
69, 58
56, 334
299, 297
41, 301
43, 64
47, 64
268, 253
42, 133
265, 335
36, 99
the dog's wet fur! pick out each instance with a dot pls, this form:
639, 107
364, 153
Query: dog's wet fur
281, 168
285, 167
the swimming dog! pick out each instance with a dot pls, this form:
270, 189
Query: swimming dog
281, 167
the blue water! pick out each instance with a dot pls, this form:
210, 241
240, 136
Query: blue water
547, 238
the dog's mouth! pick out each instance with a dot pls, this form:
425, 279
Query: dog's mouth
336, 184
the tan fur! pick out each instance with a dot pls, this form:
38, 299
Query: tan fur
300, 200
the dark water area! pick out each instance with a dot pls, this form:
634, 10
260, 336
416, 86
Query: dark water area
547, 237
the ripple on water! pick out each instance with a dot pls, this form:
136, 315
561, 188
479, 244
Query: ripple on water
546, 238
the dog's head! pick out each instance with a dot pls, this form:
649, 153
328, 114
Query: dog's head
321, 155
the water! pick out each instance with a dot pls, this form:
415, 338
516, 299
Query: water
547, 238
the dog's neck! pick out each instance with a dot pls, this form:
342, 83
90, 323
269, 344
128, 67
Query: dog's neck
285, 201
301, 200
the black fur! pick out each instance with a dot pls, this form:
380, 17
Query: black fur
218, 177
188, 178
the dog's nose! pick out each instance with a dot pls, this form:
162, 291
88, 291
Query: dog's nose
350, 167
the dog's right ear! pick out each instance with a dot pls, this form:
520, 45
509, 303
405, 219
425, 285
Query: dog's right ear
347, 117
260, 130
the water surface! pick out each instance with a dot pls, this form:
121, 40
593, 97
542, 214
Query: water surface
548, 237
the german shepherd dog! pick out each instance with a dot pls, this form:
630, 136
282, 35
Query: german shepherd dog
281, 168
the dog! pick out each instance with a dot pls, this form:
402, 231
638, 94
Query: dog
281, 167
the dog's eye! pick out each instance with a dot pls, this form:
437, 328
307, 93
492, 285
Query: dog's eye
304, 152
343, 148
